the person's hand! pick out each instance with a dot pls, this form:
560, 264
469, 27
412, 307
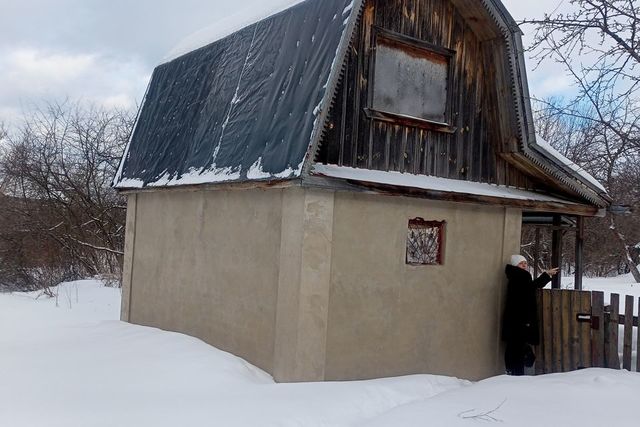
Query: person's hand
552, 272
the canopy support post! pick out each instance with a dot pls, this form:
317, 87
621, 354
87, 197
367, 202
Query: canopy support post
579, 252
536, 253
556, 251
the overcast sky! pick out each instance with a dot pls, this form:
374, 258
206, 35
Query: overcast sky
103, 51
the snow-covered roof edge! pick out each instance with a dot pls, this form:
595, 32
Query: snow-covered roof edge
432, 183
210, 176
581, 183
548, 148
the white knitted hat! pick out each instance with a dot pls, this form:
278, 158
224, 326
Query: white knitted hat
517, 259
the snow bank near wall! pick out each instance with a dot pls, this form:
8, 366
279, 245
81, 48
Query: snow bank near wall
73, 364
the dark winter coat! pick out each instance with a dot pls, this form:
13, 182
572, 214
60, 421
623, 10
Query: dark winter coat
520, 321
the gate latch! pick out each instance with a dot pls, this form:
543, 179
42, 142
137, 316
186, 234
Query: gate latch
588, 318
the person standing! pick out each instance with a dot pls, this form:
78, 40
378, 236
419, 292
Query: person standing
520, 320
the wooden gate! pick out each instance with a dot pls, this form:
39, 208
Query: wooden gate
577, 331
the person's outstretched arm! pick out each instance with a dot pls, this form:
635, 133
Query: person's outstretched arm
545, 278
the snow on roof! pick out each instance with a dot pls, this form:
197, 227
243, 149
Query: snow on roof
209, 176
432, 183
228, 25
243, 108
575, 167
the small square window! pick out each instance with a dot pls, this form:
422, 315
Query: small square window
425, 242
409, 80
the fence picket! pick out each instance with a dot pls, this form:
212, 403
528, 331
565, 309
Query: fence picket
611, 350
597, 335
584, 360
539, 349
547, 332
556, 324
571, 339
638, 340
574, 329
628, 333
565, 301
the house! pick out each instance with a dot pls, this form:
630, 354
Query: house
332, 192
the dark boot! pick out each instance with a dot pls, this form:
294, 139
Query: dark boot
514, 358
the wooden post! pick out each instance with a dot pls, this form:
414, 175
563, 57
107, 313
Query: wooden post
579, 249
556, 251
536, 253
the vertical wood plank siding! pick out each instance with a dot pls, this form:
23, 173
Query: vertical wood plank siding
577, 331
479, 108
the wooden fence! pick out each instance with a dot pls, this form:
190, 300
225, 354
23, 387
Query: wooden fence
578, 331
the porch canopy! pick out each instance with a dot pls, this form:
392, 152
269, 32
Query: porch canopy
559, 226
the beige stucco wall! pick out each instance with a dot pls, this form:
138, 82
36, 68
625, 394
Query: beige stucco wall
312, 284
388, 318
206, 263
304, 285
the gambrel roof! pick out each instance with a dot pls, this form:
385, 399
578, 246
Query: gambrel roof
252, 106
243, 108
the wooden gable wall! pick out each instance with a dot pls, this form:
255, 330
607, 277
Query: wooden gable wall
479, 81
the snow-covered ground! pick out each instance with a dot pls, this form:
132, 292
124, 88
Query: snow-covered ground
70, 363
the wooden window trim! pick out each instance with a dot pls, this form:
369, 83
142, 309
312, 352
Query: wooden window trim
441, 225
386, 116
422, 48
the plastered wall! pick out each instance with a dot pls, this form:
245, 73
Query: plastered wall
312, 285
388, 318
206, 263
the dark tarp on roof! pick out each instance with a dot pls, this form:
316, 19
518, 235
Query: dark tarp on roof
244, 100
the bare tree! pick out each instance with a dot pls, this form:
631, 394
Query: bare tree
597, 45
587, 143
56, 171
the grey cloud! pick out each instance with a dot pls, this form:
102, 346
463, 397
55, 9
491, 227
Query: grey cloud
124, 38
94, 50
143, 28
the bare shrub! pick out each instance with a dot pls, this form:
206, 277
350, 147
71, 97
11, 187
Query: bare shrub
59, 217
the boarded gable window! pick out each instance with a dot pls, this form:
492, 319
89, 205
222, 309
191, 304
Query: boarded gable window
411, 78
425, 242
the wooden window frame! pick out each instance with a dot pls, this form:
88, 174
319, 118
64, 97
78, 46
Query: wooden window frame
423, 48
441, 226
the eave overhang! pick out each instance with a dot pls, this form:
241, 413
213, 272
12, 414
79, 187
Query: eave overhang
524, 115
